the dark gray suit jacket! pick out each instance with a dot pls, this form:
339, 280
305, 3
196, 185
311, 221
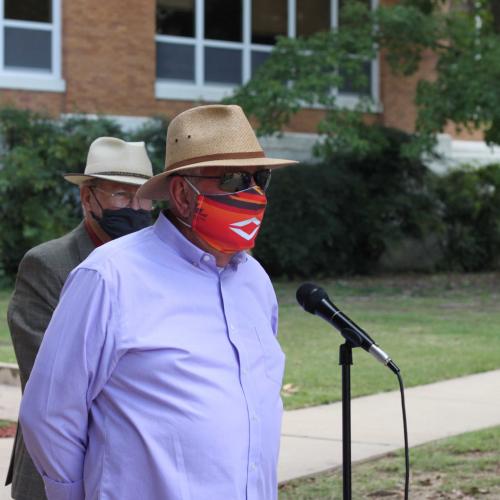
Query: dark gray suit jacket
41, 276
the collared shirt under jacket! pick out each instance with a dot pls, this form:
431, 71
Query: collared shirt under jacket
159, 377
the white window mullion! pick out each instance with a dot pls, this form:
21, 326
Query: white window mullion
199, 56
334, 21
375, 69
334, 13
56, 38
31, 25
247, 40
178, 40
292, 18
2, 35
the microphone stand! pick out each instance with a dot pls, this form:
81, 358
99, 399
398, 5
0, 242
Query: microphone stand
345, 360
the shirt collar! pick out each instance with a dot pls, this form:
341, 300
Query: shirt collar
169, 234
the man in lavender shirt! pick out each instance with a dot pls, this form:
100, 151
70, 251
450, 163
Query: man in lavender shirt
159, 375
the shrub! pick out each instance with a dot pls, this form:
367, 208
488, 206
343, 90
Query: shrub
37, 204
336, 217
470, 206
154, 134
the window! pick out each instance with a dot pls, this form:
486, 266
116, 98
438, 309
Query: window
30, 45
204, 48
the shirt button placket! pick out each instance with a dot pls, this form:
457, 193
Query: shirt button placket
249, 391
255, 447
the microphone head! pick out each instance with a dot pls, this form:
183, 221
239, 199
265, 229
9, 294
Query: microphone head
309, 296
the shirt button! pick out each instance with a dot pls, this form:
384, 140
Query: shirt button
206, 258
253, 466
245, 371
255, 417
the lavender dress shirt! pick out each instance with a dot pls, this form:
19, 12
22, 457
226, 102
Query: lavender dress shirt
158, 377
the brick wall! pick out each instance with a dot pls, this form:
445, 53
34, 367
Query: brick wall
108, 56
109, 63
109, 67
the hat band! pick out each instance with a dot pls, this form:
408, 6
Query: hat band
124, 174
218, 156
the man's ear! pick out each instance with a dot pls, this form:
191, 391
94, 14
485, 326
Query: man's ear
180, 197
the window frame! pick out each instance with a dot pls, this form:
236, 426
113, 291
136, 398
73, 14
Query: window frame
199, 90
34, 79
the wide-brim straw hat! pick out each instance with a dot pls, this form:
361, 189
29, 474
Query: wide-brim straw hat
115, 160
209, 136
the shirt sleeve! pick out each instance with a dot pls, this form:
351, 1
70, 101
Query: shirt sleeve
76, 358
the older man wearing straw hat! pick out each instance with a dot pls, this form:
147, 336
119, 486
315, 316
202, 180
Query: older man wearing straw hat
108, 190
159, 376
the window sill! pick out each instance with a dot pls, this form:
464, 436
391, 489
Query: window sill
191, 92
30, 81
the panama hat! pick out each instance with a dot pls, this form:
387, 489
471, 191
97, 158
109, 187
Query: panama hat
112, 159
209, 136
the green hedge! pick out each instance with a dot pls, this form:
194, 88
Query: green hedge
470, 215
336, 217
330, 218
36, 203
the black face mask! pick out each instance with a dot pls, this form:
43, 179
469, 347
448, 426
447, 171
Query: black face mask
116, 223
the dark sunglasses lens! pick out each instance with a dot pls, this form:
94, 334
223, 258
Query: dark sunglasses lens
262, 178
235, 181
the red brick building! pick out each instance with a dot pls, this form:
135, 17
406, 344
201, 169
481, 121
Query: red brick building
143, 57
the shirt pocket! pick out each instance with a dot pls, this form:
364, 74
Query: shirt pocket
274, 357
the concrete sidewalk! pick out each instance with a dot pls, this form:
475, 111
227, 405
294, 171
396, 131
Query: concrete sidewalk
312, 437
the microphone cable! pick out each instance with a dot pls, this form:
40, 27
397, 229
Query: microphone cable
405, 431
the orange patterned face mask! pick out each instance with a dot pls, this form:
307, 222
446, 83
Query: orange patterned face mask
229, 222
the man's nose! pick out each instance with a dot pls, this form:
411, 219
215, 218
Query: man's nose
135, 203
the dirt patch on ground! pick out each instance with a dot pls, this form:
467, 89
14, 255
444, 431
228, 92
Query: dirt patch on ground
8, 429
481, 482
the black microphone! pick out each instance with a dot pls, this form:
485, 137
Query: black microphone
315, 301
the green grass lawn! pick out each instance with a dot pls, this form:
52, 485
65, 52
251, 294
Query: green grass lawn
434, 326
464, 466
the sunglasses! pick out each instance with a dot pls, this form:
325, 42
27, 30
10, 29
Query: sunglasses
232, 182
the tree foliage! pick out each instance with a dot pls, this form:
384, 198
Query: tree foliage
463, 35
37, 204
470, 215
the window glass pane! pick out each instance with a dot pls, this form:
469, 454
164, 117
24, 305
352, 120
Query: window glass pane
269, 19
222, 65
29, 49
223, 20
175, 17
29, 10
312, 16
174, 61
350, 87
258, 58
